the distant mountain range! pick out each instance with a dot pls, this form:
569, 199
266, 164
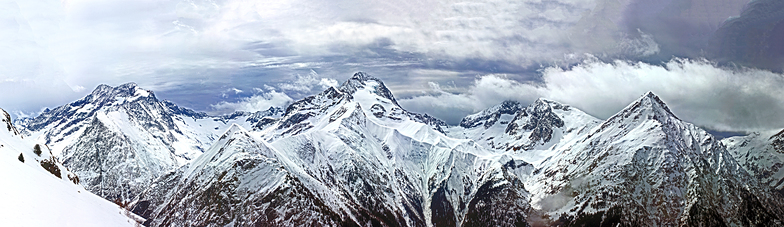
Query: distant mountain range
352, 156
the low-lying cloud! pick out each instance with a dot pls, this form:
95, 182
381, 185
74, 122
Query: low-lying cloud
307, 83
259, 101
697, 91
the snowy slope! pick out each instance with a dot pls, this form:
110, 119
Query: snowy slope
237, 181
644, 166
528, 133
762, 154
35, 156
369, 161
119, 139
34, 196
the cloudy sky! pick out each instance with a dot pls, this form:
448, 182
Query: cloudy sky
718, 63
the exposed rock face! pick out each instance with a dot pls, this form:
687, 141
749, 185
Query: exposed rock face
539, 120
5, 118
488, 118
531, 132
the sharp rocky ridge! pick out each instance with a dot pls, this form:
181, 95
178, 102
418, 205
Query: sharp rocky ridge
352, 156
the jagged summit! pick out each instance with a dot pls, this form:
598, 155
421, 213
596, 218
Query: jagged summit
361, 79
234, 128
347, 156
538, 119
126, 96
119, 139
508, 105
362, 76
362, 93
539, 108
649, 105
126, 90
491, 115
538, 126
542, 104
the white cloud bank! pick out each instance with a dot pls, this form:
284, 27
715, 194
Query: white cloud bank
67, 46
697, 91
263, 99
307, 83
260, 101
52, 52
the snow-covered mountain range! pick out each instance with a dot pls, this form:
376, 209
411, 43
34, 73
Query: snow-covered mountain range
119, 139
352, 156
762, 155
348, 156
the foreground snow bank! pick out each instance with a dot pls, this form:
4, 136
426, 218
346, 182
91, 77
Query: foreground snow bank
35, 198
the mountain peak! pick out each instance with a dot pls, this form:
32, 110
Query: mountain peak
130, 89
129, 85
653, 102
362, 76
537, 118
361, 80
233, 129
647, 107
645, 148
510, 103
541, 105
490, 116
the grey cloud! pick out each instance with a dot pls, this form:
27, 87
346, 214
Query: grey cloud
755, 38
191, 51
681, 27
717, 98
